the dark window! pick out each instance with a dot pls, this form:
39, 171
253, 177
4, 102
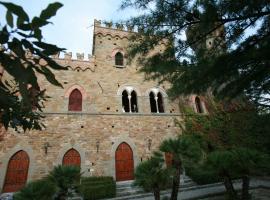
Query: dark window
134, 106
34, 94
198, 105
153, 105
75, 101
125, 101
119, 59
160, 103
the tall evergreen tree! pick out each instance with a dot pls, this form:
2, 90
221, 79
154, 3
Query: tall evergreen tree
226, 49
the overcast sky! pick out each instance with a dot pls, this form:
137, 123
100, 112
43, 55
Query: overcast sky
72, 26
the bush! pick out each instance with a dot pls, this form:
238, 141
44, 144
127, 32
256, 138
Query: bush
202, 175
97, 187
64, 178
36, 190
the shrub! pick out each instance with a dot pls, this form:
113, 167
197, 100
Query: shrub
202, 175
64, 178
97, 187
36, 190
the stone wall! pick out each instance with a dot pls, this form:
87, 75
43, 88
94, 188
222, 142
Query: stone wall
97, 131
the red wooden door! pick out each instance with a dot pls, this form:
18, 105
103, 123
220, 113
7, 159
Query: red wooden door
75, 101
168, 159
72, 157
17, 172
124, 164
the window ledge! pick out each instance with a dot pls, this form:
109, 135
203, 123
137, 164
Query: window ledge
119, 66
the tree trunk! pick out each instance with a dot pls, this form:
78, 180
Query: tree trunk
157, 194
176, 182
245, 187
229, 187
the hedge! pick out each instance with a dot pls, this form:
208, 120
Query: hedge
202, 176
92, 188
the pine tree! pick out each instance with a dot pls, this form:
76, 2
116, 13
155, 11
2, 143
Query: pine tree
227, 46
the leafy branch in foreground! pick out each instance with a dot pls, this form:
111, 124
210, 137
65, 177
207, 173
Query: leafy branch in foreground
221, 45
23, 55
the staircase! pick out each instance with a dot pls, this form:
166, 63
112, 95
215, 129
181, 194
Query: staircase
126, 189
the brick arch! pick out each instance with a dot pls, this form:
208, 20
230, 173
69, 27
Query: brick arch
116, 50
72, 157
161, 90
80, 88
124, 162
125, 86
116, 142
79, 149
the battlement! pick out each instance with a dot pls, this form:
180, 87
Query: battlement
79, 57
117, 26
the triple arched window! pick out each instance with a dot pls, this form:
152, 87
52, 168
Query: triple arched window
75, 100
129, 100
156, 101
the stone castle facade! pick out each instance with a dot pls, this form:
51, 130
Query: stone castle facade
106, 118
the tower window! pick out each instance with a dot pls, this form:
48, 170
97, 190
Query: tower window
153, 105
156, 102
75, 101
125, 101
134, 107
198, 105
129, 101
119, 59
160, 103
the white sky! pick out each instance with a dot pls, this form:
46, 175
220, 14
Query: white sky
72, 26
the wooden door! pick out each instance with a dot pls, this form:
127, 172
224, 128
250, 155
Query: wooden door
124, 164
72, 157
17, 171
168, 159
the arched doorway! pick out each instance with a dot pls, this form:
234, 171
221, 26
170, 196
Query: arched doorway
17, 171
72, 157
124, 164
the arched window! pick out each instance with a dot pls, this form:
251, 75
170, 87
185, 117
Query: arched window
119, 59
156, 101
75, 101
160, 103
134, 105
153, 105
198, 105
129, 101
33, 96
125, 101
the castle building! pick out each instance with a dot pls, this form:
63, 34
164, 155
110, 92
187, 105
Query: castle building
106, 118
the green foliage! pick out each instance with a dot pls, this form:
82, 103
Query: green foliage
23, 55
236, 64
152, 175
65, 178
36, 190
185, 149
202, 175
97, 187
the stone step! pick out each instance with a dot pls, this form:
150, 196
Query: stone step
126, 188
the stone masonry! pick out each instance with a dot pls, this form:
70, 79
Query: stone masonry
97, 130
